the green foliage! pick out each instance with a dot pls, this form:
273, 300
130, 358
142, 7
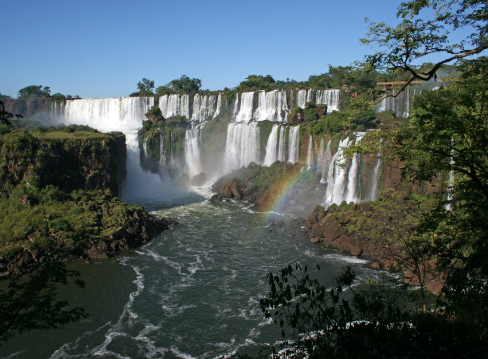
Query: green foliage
145, 87
183, 85
34, 91
6, 117
31, 304
344, 320
419, 37
256, 82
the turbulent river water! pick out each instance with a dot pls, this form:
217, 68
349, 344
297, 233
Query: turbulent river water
192, 292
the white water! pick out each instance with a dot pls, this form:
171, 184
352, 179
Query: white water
309, 153
331, 98
242, 145
272, 106
352, 195
281, 145
192, 152
271, 155
337, 179
245, 111
376, 176
123, 114
301, 98
327, 157
175, 105
294, 141
219, 104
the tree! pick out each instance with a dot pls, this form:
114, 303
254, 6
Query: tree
145, 87
348, 319
5, 116
415, 38
31, 304
34, 91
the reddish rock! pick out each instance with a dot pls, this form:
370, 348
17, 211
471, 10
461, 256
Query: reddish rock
435, 287
315, 240
376, 265
411, 278
356, 251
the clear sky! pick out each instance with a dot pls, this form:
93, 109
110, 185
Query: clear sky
103, 48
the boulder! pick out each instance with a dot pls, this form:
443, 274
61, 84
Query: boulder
411, 278
435, 287
356, 251
199, 179
315, 240
376, 265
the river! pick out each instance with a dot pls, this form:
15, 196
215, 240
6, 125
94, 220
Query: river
192, 292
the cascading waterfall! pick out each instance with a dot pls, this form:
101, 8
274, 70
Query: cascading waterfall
242, 145
310, 96
376, 176
192, 152
406, 111
331, 98
245, 112
327, 157
107, 114
293, 144
271, 106
320, 157
162, 148
337, 179
301, 98
219, 105
281, 145
309, 153
175, 105
352, 182
271, 155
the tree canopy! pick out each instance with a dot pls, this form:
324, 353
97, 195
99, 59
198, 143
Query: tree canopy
413, 38
34, 91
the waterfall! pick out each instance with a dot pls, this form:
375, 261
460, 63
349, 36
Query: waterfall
293, 144
352, 181
310, 96
281, 145
376, 176
219, 105
327, 157
242, 145
271, 106
320, 157
336, 178
142, 184
309, 153
301, 98
406, 110
162, 148
245, 112
192, 152
175, 105
123, 114
235, 109
271, 147
331, 98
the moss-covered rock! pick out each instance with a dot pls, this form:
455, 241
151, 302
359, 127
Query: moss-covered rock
68, 160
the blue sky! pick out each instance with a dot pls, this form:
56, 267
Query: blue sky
103, 48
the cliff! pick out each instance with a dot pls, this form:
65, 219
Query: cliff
68, 160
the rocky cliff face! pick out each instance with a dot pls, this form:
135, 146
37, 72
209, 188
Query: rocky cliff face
69, 161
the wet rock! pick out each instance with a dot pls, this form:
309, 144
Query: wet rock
216, 198
199, 179
376, 265
356, 251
